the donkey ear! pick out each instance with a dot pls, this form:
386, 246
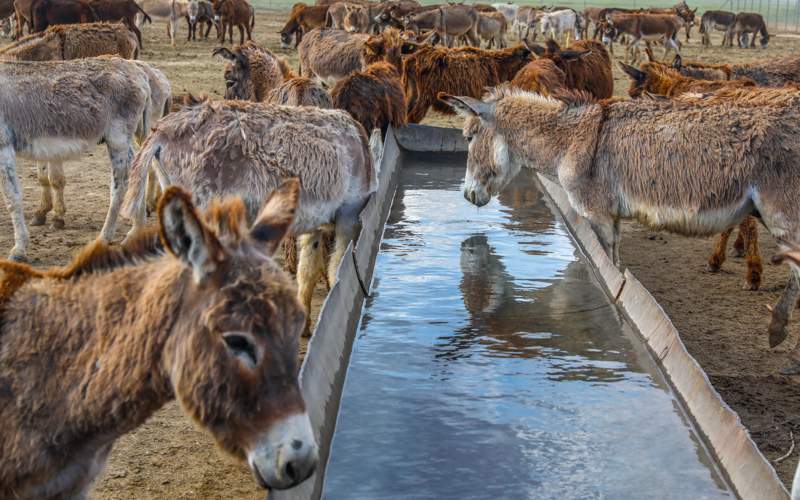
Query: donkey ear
224, 53
185, 236
535, 48
574, 54
635, 74
277, 215
552, 46
467, 106
677, 63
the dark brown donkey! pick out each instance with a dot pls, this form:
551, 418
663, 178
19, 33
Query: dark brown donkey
89, 351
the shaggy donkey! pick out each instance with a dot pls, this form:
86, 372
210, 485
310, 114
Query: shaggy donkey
74, 41
329, 55
767, 73
51, 175
204, 315
246, 149
687, 167
53, 111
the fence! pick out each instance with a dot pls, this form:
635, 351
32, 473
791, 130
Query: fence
780, 15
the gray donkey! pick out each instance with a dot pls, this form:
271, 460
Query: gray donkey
239, 148
53, 111
689, 167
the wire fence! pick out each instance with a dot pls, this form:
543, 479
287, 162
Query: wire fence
780, 15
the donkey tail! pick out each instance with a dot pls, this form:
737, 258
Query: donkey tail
137, 181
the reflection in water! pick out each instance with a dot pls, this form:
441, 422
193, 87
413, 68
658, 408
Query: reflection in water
489, 364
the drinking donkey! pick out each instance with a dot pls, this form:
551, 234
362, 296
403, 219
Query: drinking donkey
689, 167
246, 149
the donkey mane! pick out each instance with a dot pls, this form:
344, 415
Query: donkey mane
568, 97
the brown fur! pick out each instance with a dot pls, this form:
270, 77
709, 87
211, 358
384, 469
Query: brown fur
461, 71
252, 72
120, 332
302, 20
330, 54
46, 13
658, 79
585, 63
74, 41
374, 97
541, 76
236, 13
768, 73
300, 92
121, 10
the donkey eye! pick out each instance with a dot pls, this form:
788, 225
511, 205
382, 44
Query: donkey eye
241, 347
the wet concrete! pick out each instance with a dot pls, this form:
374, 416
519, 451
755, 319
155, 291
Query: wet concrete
490, 364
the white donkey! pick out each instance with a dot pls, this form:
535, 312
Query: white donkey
53, 111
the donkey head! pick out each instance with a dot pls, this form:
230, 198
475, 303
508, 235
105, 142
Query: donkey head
232, 359
490, 166
239, 82
352, 17
192, 10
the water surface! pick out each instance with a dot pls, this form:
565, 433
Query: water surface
490, 364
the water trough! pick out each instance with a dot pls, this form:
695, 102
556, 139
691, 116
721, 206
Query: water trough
735, 464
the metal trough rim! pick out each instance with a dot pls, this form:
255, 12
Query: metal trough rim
325, 365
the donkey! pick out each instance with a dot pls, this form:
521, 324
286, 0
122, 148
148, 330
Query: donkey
326, 149
719, 20
747, 23
74, 41
647, 27
202, 314
53, 111
615, 162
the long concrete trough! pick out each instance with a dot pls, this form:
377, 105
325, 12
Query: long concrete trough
325, 366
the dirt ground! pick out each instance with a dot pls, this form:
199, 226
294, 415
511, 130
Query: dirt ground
723, 326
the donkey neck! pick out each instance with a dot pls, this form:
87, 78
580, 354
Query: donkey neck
93, 348
550, 139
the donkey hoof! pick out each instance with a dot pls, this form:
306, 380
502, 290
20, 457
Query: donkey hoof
17, 257
713, 267
58, 223
792, 369
751, 286
39, 219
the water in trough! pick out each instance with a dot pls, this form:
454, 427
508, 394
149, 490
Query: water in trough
489, 363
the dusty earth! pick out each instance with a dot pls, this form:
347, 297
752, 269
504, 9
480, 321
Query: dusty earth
723, 325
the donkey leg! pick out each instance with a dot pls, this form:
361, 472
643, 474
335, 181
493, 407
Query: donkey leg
46, 201
121, 156
607, 230
13, 196
346, 221
55, 172
754, 267
153, 192
309, 268
794, 366
718, 257
783, 311
741, 239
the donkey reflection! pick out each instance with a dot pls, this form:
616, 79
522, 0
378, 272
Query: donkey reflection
568, 319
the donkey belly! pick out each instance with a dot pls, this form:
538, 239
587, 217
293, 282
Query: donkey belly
687, 221
54, 148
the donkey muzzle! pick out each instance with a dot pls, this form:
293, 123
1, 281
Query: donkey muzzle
286, 455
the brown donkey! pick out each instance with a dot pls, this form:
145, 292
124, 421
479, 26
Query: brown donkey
205, 316
656, 161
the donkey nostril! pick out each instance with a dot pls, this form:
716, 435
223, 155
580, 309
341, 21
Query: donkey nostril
290, 473
297, 444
